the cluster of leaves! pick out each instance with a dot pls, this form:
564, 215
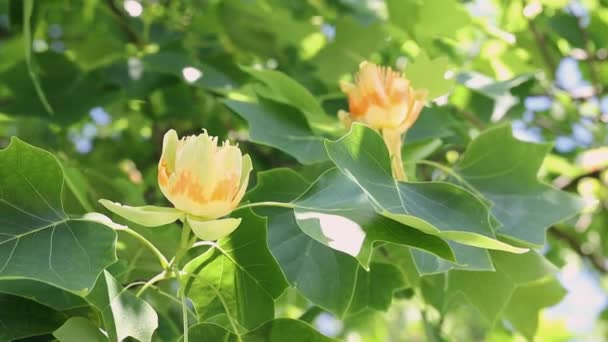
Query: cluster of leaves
96, 86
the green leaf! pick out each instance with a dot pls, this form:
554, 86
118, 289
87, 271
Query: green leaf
499, 92
278, 330
429, 74
306, 263
176, 62
28, 8
238, 278
22, 318
434, 122
38, 240
526, 302
436, 208
78, 329
419, 17
469, 258
341, 57
504, 170
427, 24
123, 314
283, 329
336, 212
147, 216
282, 127
42, 293
375, 288
71, 92
209, 332
490, 292
281, 88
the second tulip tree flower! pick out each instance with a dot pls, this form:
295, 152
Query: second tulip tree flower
384, 100
203, 180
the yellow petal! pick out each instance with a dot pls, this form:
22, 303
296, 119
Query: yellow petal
170, 141
246, 170
210, 210
345, 118
229, 161
346, 86
147, 216
166, 164
213, 230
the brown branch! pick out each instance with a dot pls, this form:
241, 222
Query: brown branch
542, 45
132, 36
470, 117
598, 262
591, 57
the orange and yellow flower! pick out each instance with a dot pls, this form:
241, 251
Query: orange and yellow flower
384, 100
201, 178
203, 181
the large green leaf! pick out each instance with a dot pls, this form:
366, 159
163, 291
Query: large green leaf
342, 56
469, 258
434, 122
419, 18
336, 212
282, 127
430, 75
504, 171
21, 318
42, 293
491, 292
70, 92
375, 288
178, 63
78, 329
239, 278
428, 25
498, 92
306, 263
38, 240
437, 208
123, 313
527, 300
281, 88
278, 330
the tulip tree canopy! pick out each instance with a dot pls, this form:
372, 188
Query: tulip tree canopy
303, 170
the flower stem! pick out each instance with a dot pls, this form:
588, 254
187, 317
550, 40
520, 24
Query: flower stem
159, 277
392, 139
183, 248
161, 258
182, 289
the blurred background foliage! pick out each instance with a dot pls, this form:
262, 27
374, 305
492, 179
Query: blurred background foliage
114, 75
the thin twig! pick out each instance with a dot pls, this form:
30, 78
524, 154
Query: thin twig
124, 23
597, 85
542, 45
470, 117
596, 260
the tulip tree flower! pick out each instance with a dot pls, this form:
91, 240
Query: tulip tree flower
204, 182
384, 100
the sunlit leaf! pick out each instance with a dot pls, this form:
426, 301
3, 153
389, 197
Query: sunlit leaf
38, 240
78, 329
504, 170
240, 270
281, 127
305, 262
123, 313
441, 209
